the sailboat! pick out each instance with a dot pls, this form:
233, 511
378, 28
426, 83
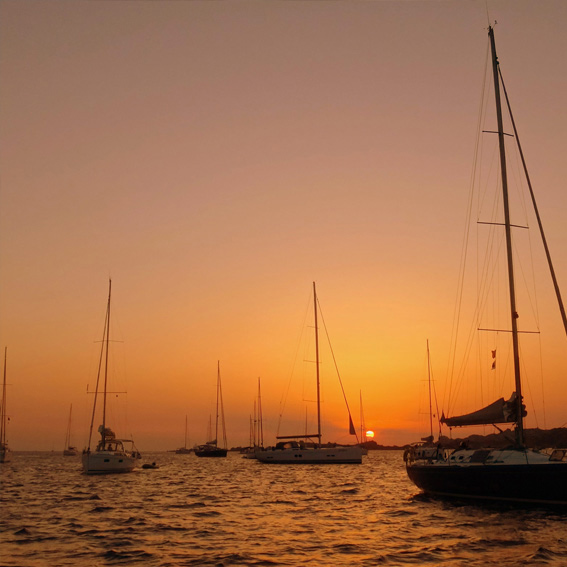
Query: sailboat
69, 450
517, 473
292, 451
110, 455
5, 453
256, 429
183, 450
212, 448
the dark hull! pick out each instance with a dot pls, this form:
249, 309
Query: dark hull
211, 452
541, 483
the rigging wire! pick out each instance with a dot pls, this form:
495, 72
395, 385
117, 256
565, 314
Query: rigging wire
285, 394
449, 383
337, 369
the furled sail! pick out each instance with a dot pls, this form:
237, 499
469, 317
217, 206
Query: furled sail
500, 411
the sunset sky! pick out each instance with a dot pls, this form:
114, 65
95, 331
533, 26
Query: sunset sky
216, 158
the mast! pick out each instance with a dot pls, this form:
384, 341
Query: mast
219, 401
429, 380
68, 436
362, 424
260, 420
107, 332
3, 422
507, 226
185, 446
317, 366
218, 394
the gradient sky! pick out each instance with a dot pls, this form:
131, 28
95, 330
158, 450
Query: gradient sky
215, 158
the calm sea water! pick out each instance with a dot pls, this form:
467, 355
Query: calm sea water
235, 511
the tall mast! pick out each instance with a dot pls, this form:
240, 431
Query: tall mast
507, 226
218, 394
3, 422
362, 424
260, 419
317, 366
103, 434
68, 436
429, 380
185, 446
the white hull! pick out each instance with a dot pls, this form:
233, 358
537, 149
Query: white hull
315, 456
106, 462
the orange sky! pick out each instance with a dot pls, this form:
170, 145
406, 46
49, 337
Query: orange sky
216, 158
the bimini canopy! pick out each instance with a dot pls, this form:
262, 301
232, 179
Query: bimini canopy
500, 411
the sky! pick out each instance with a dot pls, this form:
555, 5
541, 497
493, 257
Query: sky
216, 158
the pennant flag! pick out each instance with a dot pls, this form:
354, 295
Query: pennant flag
351, 429
494, 353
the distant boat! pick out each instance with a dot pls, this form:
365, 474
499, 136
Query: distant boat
293, 451
256, 430
184, 450
69, 450
517, 473
212, 448
5, 453
110, 454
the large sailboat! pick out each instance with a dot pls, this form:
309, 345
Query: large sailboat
516, 473
69, 449
213, 448
5, 453
292, 449
111, 454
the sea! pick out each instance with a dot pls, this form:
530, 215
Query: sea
235, 511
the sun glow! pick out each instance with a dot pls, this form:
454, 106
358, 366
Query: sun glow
370, 434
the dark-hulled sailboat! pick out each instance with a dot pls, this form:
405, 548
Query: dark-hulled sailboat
213, 448
516, 473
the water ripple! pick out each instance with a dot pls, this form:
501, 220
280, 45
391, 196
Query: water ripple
229, 512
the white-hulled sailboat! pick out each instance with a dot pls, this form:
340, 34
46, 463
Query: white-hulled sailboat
111, 455
5, 453
292, 451
516, 473
69, 449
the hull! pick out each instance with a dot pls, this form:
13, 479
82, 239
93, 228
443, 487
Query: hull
211, 452
104, 462
70, 452
540, 481
5, 455
316, 456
